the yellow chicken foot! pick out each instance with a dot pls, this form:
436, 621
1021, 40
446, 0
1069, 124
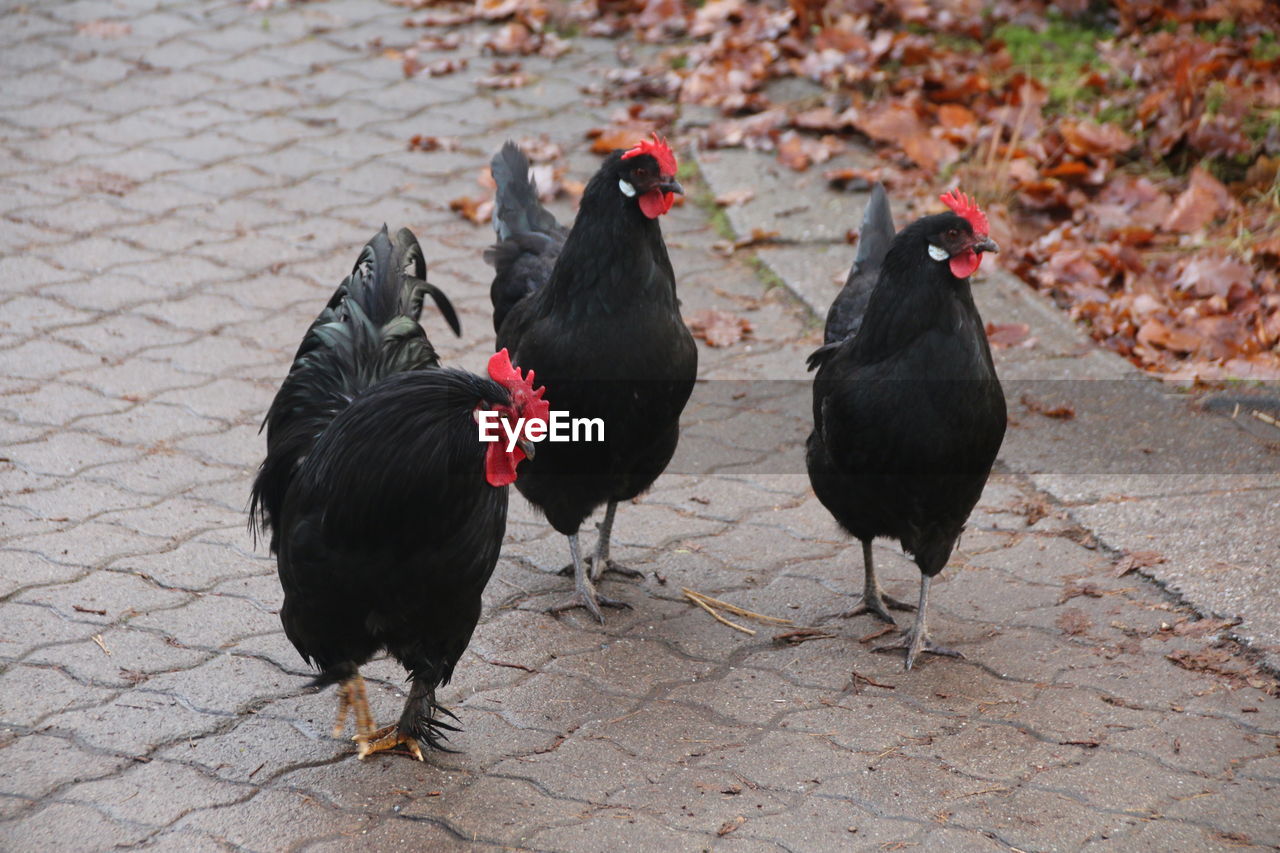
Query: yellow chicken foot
352, 697
385, 739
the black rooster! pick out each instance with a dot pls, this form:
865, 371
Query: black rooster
595, 313
385, 509
908, 412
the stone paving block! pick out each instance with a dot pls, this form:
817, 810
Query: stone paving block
135, 724
551, 703
228, 684
269, 821
60, 404
25, 569
153, 473
1234, 811
69, 497
195, 565
260, 749
25, 314
820, 822
108, 292
134, 656
155, 793
27, 627
392, 834
177, 518
35, 765
43, 359
119, 595
210, 621
32, 693
62, 826
632, 666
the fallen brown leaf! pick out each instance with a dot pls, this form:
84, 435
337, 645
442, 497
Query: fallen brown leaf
1074, 621
477, 210
719, 328
1006, 335
733, 198
104, 29
1062, 413
1137, 560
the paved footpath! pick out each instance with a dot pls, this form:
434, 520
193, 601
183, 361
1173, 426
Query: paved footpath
181, 188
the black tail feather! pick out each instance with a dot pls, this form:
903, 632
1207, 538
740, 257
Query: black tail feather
529, 238
368, 331
844, 318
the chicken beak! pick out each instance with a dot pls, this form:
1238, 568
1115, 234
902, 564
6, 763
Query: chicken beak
527, 446
671, 186
986, 244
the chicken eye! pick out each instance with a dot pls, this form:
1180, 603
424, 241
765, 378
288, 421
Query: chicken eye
641, 172
953, 234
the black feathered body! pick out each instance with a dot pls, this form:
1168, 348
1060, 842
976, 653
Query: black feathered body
384, 526
606, 337
908, 412
391, 531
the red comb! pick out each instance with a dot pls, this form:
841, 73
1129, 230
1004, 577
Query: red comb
659, 150
968, 208
527, 399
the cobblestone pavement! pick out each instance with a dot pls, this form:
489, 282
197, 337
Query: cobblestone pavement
180, 191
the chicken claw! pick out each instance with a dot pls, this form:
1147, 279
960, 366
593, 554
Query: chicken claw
609, 566
873, 598
876, 604
917, 639
384, 739
592, 602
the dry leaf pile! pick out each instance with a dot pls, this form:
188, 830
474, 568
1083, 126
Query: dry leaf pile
1128, 153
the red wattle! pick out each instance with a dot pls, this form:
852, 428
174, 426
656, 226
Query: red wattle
963, 264
654, 203
499, 465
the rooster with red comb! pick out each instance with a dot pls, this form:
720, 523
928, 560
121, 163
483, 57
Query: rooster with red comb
386, 510
594, 311
908, 413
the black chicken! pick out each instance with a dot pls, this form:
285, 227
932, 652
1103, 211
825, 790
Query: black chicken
385, 509
908, 412
595, 313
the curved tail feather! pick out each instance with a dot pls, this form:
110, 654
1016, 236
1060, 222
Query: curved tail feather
368, 330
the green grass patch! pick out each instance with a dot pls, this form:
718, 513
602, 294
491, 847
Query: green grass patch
1058, 55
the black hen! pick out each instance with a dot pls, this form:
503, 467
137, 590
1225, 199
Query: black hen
908, 412
601, 326
386, 511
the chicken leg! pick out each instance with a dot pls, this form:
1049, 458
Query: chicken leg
917, 639
874, 599
584, 594
601, 563
353, 699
